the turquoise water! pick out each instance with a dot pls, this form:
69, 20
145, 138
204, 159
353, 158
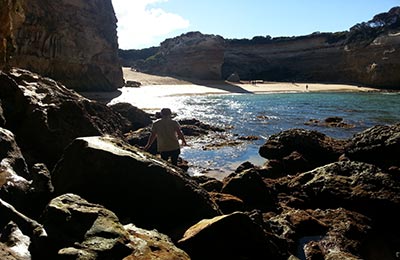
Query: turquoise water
262, 115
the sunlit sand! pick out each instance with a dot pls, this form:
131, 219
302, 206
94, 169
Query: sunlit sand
161, 91
162, 85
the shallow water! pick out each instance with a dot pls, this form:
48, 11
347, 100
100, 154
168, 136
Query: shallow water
262, 115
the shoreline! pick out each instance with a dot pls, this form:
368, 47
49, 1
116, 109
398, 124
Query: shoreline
155, 87
186, 87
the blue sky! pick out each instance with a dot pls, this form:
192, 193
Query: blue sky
146, 23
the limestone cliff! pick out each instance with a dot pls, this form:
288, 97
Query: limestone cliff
367, 54
11, 17
72, 41
193, 55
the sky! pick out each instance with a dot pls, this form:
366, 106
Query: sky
147, 23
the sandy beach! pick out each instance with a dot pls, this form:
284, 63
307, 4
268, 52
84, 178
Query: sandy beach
154, 87
173, 86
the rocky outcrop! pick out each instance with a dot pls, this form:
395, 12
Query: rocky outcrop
11, 18
301, 150
379, 145
45, 116
192, 55
75, 43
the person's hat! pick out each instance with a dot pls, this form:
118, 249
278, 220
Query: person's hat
165, 112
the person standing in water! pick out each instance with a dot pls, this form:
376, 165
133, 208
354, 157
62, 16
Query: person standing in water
167, 132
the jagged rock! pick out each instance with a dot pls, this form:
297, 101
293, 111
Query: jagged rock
378, 145
227, 202
249, 187
136, 116
78, 229
132, 84
6, 254
194, 127
28, 226
244, 166
13, 186
212, 185
157, 245
322, 234
295, 163
132, 183
41, 179
2, 119
273, 169
17, 243
45, 116
330, 122
220, 238
49, 40
313, 148
140, 137
10, 154
353, 185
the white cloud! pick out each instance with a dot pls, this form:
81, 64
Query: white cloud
140, 25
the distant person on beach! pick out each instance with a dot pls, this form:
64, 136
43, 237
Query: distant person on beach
168, 132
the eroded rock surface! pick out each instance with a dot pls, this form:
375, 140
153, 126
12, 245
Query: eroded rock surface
72, 42
45, 116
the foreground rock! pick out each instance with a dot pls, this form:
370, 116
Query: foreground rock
78, 229
300, 150
45, 116
219, 238
133, 184
378, 145
355, 202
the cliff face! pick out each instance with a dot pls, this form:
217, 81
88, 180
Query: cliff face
11, 17
72, 41
367, 54
191, 55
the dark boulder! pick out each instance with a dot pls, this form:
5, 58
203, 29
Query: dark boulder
78, 229
220, 238
132, 183
302, 150
379, 145
355, 186
136, 116
45, 116
250, 188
